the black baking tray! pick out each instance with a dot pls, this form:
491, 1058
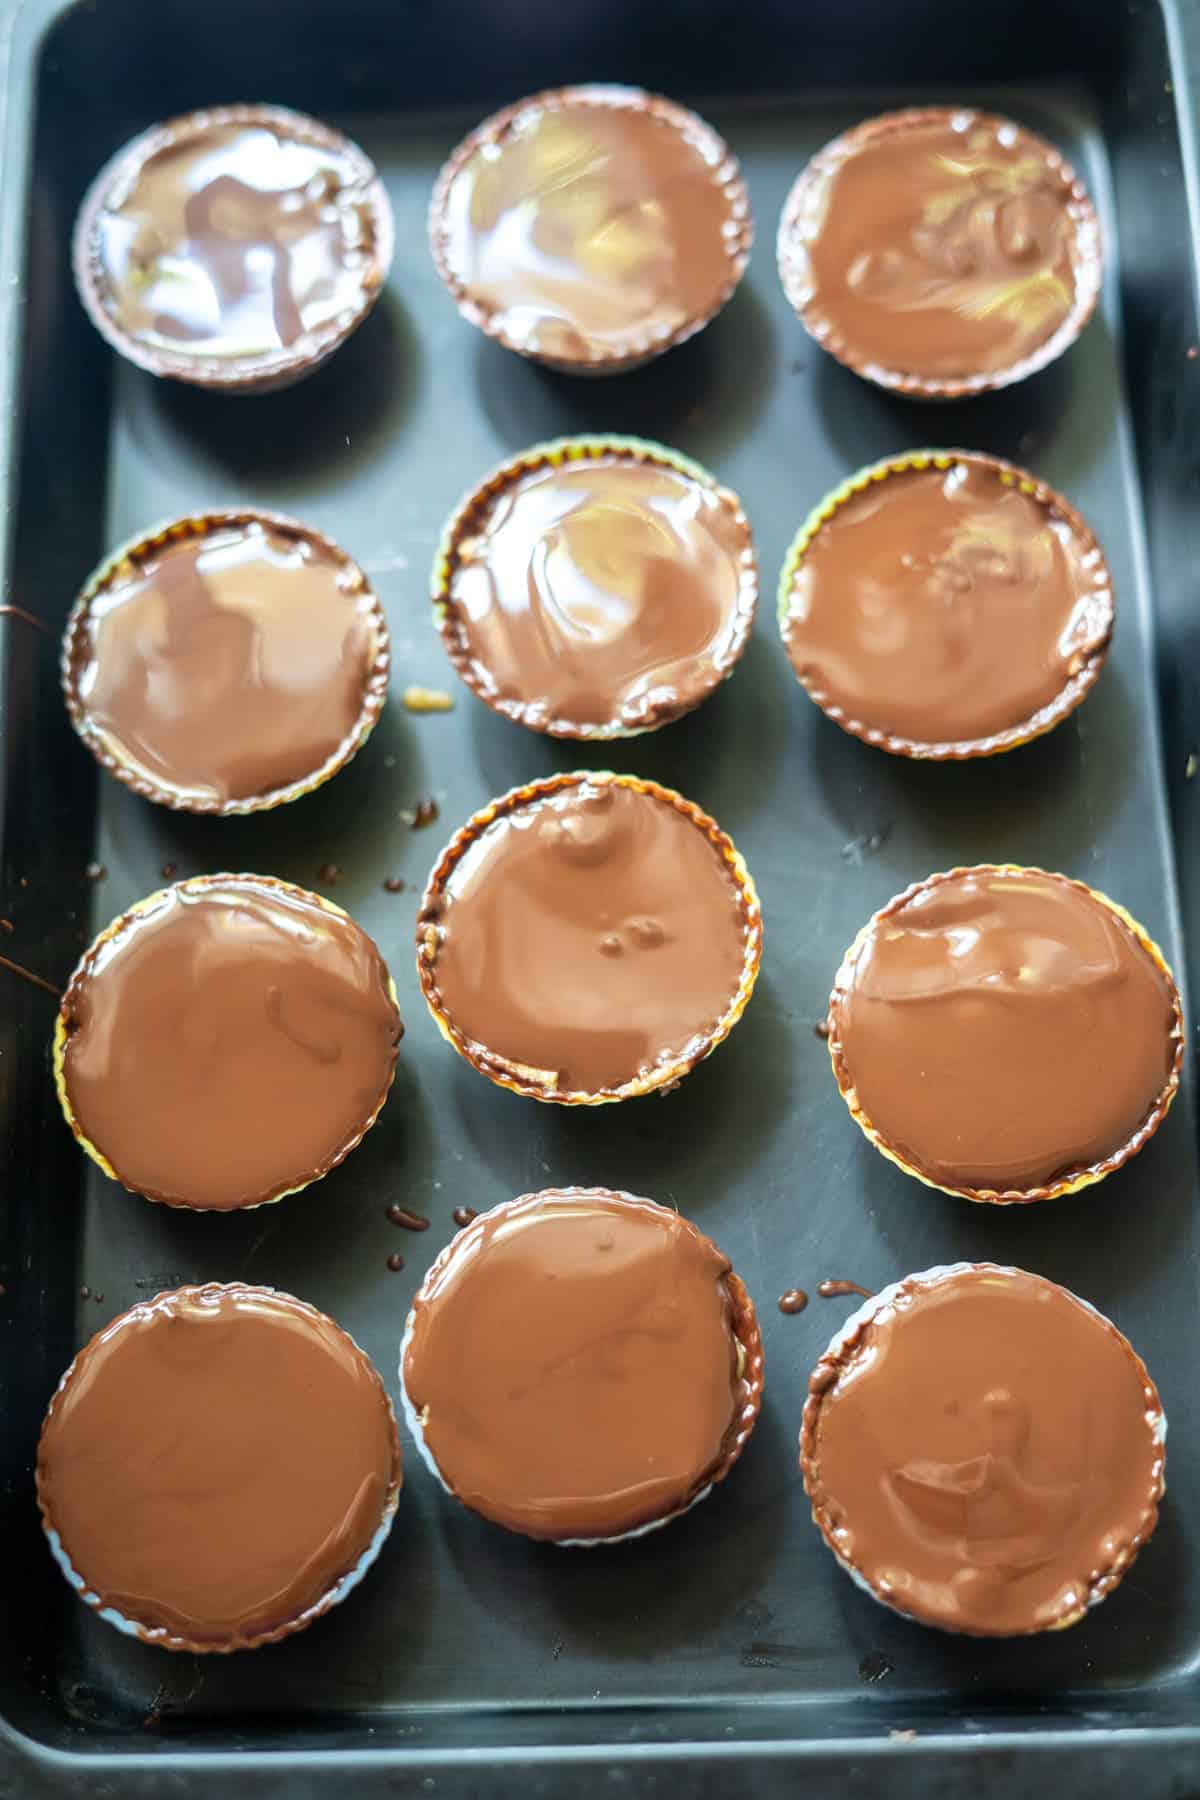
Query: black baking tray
728, 1655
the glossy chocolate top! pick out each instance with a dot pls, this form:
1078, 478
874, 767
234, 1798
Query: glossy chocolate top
944, 245
216, 1460
592, 223
985, 1450
229, 1042
242, 235
1003, 1029
591, 935
947, 606
574, 1364
226, 659
608, 590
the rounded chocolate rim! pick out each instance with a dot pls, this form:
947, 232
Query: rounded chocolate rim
539, 1084
127, 558
1087, 261
843, 1345
1072, 1181
82, 973
638, 346
1077, 686
558, 452
743, 1326
237, 373
160, 1637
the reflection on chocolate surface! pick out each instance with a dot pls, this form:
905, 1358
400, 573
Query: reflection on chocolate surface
591, 226
593, 935
983, 1450
602, 592
215, 1462
1002, 1029
581, 1363
226, 660
940, 250
227, 1042
957, 606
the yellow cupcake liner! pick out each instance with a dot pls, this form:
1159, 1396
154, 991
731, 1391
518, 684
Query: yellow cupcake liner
556, 453
1077, 687
541, 1084
125, 561
1067, 1184
82, 971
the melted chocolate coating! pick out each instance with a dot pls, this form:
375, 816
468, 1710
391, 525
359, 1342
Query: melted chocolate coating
945, 606
608, 590
591, 224
226, 659
589, 936
215, 1461
229, 1042
1003, 1028
949, 246
983, 1451
574, 1363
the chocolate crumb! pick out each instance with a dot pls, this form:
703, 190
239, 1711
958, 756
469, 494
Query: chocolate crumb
411, 1221
395, 1262
329, 873
393, 885
85, 1293
426, 812
462, 1215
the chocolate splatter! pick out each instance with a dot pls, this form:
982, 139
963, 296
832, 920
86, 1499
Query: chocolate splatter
329, 873
18, 969
833, 1290
85, 1293
393, 885
794, 1301
395, 1262
822, 1029
462, 1215
18, 612
95, 871
411, 1221
426, 812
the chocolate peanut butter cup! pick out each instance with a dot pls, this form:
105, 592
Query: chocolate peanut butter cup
983, 1450
226, 663
941, 251
581, 1365
234, 248
596, 587
591, 228
1006, 1034
226, 1042
588, 938
218, 1467
946, 605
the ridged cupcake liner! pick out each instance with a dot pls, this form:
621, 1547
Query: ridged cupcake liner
519, 1078
830, 1366
162, 1639
1078, 685
247, 373
638, 348
82, 973
1070, 1183
555, 454
126, 560
794, 272
746, 1333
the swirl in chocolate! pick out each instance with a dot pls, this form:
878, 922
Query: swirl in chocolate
984, 1450
611, 591
1003, 1029
577, 1366
226, 658
215, 1462
941, 245
948, 606
227, 1041
588, 937
591, 224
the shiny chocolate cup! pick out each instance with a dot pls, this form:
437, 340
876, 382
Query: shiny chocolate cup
161, 1638
638, 347
245, 372
747, 1339
447, 615
126, 561
1072, 1181
795, 275
82, 974
840, 1353
519, 1078
1091, 657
